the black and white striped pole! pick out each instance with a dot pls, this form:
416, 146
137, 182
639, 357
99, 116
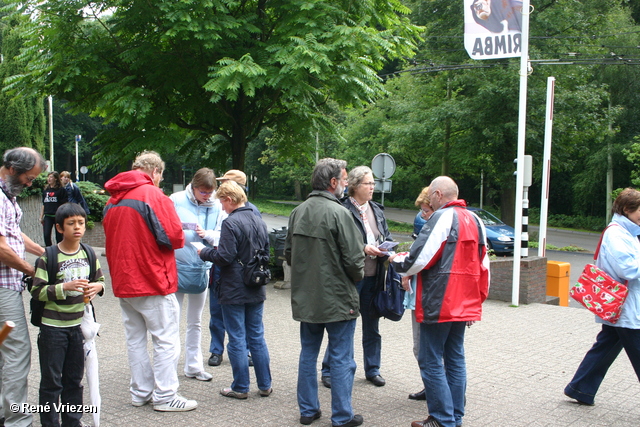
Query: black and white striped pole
526, 183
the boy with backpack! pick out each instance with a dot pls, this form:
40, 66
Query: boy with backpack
65, 295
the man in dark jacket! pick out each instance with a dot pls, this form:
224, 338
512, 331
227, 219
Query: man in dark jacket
326, 254
449, 259
142, 231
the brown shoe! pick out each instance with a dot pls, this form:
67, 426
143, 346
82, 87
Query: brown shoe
228, 392
266, 393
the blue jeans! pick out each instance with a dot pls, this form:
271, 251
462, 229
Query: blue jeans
443, 370
243, 323
371, 339
340, 351
216, 323
596, 362
61, 370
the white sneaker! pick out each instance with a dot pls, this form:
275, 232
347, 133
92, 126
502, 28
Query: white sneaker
201, 376
178, 404
138, 403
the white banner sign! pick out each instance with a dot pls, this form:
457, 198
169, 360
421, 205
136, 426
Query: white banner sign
492, 28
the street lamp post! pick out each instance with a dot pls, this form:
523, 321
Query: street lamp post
78, 138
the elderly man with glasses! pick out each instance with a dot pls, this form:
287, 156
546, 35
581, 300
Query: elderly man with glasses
450, 260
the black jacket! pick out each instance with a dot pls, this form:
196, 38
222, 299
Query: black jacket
239, 230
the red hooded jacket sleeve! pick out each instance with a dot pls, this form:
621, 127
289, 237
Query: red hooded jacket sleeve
142, 230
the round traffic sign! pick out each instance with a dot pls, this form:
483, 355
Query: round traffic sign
383, 166
84, 169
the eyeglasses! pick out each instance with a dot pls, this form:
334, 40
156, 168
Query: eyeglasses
370, 184
30, 179
205, 193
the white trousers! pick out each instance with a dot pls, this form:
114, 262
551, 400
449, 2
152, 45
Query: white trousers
159, 316
193, 362
15, 359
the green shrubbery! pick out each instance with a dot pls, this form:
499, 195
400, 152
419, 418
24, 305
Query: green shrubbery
95, 196
590, 223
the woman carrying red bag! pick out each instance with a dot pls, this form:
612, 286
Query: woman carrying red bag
620, 258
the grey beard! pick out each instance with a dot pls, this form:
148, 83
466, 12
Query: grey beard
14, 186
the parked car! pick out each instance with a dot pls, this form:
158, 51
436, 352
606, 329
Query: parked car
499, 234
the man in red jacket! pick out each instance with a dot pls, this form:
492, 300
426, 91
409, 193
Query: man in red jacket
449, 259
142, 231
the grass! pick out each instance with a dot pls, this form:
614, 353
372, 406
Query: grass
274, 208
570, 248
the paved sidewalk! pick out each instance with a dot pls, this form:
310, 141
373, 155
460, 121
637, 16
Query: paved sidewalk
519, 360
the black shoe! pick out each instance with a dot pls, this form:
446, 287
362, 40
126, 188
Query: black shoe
377, 380
250, 360
355, 421
581, 402
308, 420
326, 381
215, 360
421, 395
429, 422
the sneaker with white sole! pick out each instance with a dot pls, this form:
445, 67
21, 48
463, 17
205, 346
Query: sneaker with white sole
139, 403
178, 404
201, 376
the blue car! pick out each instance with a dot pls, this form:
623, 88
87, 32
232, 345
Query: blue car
499, 234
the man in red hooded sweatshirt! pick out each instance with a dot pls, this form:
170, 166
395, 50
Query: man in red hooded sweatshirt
142, 231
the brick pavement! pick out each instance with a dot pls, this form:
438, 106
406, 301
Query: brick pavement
519, 360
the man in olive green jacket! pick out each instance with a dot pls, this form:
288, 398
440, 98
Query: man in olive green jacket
325, 251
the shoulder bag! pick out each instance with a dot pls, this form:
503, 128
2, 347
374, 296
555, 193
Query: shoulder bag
598, 292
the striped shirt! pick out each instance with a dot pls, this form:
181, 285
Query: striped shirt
10, 215
63, 308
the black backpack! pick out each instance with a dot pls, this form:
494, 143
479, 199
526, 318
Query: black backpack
37, 306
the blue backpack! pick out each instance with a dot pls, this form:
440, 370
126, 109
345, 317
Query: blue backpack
389, 298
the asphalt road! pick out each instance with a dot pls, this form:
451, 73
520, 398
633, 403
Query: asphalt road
556, 237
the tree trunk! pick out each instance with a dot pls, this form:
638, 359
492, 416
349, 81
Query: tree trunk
238, 148
507, 205
298, 190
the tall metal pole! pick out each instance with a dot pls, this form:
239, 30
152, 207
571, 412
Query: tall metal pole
546, 169
78, 138
522, 121
50, 99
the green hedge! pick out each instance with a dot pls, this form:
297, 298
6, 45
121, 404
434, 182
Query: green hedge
590, 223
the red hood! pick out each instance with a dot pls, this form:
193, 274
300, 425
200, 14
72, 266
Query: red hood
120, 184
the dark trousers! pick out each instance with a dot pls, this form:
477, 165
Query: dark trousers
61, 370
50, 223
609, 342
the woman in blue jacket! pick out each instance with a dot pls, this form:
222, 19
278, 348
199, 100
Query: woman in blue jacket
242, 305
620, 257
198, 213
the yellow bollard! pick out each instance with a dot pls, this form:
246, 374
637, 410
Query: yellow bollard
558, 281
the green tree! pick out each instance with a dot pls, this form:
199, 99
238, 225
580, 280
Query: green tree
22, 121
184, 75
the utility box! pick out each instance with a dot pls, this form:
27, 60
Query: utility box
558, 275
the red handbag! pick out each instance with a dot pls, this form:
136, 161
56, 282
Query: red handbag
598, 292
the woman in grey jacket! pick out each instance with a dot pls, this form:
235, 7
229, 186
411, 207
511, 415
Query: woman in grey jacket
369, 218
